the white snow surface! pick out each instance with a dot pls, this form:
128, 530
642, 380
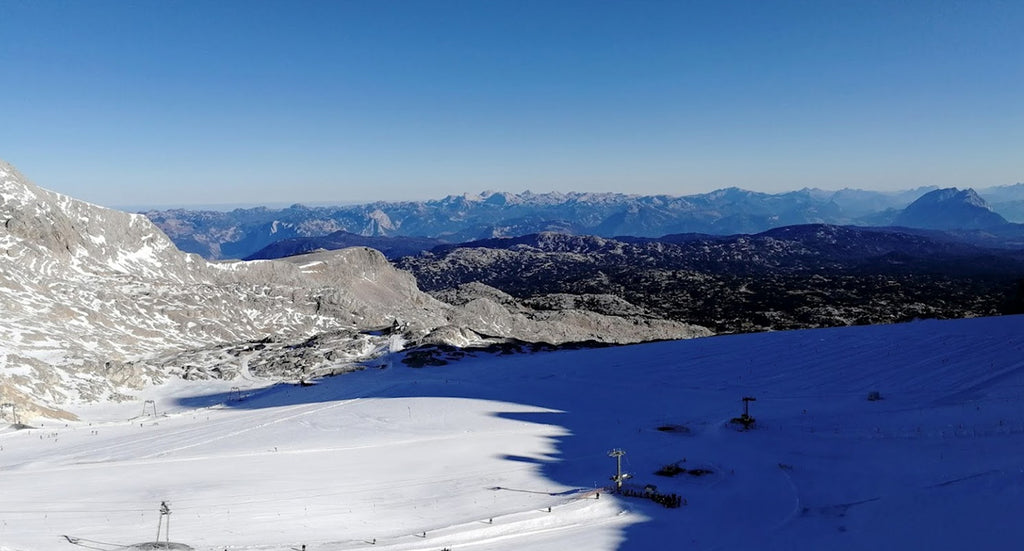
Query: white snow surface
472, 455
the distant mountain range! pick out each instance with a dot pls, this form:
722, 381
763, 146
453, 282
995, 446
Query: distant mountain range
242, 233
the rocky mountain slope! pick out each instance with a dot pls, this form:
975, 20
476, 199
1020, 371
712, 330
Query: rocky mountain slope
787, 278
97, 302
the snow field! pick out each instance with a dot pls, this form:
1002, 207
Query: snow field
333, 472
472, 454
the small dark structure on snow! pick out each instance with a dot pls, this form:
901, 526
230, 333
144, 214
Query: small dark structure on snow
745, 420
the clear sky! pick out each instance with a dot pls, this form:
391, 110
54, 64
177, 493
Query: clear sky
149, 102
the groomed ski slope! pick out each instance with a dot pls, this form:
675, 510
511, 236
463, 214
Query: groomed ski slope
472, 454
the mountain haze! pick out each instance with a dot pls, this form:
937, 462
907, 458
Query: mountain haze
256, 232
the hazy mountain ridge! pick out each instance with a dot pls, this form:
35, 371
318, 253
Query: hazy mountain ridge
98, 302
244, 232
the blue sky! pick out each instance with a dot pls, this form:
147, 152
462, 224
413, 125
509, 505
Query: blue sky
188, 102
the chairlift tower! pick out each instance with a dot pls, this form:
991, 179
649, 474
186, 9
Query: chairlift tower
620, 476
147, 406
746, 420
165, 511
746, 405
14, 411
